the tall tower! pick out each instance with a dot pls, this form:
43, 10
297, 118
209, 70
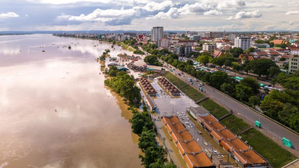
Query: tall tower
243, 42
157, 34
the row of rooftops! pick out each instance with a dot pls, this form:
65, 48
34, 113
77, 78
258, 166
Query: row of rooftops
188, 147
231, 143
149, 89
169, 86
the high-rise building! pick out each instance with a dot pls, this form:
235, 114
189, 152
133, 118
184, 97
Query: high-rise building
164, 43
293, 64
208, 47
212, 34
157, 33
243, 42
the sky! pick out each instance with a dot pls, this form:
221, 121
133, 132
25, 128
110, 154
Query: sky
142, 15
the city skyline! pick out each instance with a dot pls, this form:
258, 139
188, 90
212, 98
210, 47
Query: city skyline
141, 15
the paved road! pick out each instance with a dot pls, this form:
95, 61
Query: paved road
269, 128
276, 130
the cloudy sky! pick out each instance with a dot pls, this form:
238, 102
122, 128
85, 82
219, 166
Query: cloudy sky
195, 15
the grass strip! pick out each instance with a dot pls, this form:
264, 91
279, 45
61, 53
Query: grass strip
215, 109
276, 155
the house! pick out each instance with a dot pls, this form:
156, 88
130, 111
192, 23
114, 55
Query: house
278, 42
245, 57
217, 53
296, 43
294, 50
261, 53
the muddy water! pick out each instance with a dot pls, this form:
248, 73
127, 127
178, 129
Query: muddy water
54, 109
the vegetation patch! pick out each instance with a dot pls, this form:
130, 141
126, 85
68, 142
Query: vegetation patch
176, 81
215, 109
276, 155
192, 93
235, 124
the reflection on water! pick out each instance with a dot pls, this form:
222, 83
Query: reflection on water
55, 110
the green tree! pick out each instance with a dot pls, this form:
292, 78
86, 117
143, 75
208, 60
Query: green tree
236, 52
228, 88
243, 92
147, 139
141, 122
260, 66
252, 83
138, 52
152, 154
273, 71
152, 60
254, 100
162, 165
249, 50
189, 62
204, 59
286, 66
271, 107
282, 59
218, 78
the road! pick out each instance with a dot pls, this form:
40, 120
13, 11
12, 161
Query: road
269, 128
275, 131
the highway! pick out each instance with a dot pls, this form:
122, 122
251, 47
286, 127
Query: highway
275, 131
269, 128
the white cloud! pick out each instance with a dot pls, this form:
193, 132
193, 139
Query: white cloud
171, 14
293, 12
109, 16
9, 15
230, 4
213, 12
154, 6
196, 8
63, 2
244, 14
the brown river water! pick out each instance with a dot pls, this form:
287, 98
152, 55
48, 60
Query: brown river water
55, 111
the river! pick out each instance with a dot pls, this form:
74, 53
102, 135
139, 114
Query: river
55, 111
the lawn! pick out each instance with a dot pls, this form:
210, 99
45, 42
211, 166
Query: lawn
176, 81
192, 93
188, 90
215, 109
276, 155
235, 124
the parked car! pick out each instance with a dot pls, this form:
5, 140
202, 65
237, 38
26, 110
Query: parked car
196, 80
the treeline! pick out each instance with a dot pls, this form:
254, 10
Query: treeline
104, 55
142, 124
124, 85
283, 106
154, 155
152, 60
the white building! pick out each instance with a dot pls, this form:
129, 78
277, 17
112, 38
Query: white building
243, 42
164, 43
157, 33
208, 47
232, 37
293, 64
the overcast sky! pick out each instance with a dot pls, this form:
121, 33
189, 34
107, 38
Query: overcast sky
200, 15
